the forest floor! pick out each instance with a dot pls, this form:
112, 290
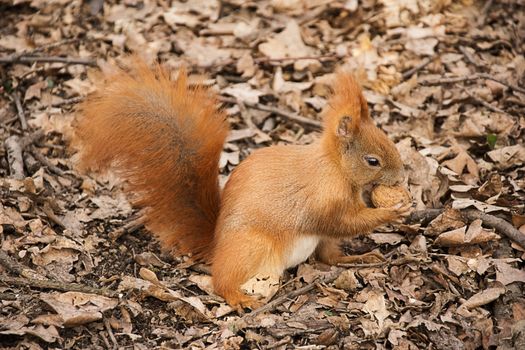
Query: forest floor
444, 79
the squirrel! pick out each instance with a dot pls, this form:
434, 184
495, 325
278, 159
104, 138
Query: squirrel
281, 204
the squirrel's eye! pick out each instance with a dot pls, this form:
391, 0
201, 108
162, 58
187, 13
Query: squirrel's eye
372, 161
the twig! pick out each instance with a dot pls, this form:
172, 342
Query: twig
14, 146
259, 60
449, 80
407, 74
47, 59
483, 13
424, 216
51, 215
284, 59
105, 340
20, 110
14, 157
31, 138
110, 332
131, 226
9, 263
48, 284
483, 102
498, 224
512, 86
284, 341
469, 56
364, 265
291, 116
44, 161
69, 101
290, 295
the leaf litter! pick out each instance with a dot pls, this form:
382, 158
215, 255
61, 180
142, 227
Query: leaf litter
444, 79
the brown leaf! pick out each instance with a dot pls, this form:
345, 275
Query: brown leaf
75, 308
483, 298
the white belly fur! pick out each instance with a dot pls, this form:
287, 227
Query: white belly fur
302, 248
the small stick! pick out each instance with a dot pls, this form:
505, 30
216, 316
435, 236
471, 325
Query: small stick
131, 226
291, 116
407, 74
110, 332
44, 161
284, 341
281, 59
69, 101
483, 13
290, 295
512, 86
484, 103
31, 138
48, 284
469, 56
498, 224
47, 59
9, 263
14, 146
449, 80
105, 340
424, 216
51, 215
14, 157
20, 110
259, 60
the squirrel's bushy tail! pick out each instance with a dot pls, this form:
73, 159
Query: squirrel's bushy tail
165, 139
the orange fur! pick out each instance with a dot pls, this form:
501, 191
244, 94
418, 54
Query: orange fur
280, 205
165, 139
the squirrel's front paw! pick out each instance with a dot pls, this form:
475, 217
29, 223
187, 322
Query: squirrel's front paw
399, 212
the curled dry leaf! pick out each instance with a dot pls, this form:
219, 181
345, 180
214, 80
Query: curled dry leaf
483, 298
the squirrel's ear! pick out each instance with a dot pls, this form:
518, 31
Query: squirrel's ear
343, 128
347, 126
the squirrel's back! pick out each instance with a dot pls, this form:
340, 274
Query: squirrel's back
164, 138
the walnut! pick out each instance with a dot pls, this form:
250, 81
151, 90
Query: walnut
389, 196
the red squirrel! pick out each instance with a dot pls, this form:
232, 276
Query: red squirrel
279, 206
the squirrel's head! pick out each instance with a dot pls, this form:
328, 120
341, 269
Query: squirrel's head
363, 151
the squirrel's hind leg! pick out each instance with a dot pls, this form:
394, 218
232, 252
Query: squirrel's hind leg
237, 258
329, 252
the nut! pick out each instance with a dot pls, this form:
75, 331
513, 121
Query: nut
389, 196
